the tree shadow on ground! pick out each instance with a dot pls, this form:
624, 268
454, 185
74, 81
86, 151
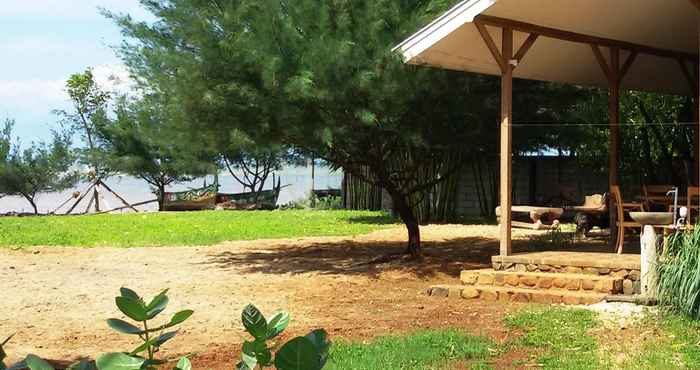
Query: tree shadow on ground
368, 257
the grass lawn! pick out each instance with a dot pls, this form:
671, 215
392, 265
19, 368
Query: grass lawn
434, 349
565, 338
187, 228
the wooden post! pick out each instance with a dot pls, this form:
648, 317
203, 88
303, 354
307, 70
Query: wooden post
614, 116
506, 155
649, 275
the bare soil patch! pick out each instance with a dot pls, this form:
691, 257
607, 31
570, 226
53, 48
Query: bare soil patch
56, 300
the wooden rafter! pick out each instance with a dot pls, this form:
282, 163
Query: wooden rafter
502, 64
581, 38
525, 47
601, 60
628, 63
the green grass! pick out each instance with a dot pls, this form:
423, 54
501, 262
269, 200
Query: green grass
560, 337
190, 228
433, 349
675, 346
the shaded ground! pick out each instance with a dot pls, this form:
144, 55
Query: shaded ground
56, 299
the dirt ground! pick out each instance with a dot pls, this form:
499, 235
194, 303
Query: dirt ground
56, 300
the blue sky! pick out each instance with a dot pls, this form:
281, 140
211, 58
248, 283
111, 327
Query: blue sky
42, 42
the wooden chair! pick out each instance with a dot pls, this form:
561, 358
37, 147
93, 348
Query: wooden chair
656, 195
623, 224
693, 207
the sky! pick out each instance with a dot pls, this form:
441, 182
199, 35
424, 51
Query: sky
42, 42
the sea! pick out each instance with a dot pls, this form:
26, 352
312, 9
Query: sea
296, 182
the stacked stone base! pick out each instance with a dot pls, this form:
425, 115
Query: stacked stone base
570, 282
512, 294
630, 277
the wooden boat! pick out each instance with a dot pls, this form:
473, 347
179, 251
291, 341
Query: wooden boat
208, 197
191, 200
266, 199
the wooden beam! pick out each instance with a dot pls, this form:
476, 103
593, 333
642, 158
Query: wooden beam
502, 64
506, 149
628, 64
525, 47
601, 61
614, 136
581, 38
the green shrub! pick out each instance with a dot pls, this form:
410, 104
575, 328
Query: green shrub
679, 273
301, 353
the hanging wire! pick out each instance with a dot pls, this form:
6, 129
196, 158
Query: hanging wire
551, 124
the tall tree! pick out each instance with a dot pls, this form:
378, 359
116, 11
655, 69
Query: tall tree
139, 142
90, 103
320, 76
40, 168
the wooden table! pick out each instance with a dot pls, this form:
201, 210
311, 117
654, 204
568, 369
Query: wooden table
537, 215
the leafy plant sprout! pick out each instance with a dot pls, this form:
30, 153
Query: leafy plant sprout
152, 337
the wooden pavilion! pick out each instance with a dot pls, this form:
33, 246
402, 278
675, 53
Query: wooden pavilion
645, 45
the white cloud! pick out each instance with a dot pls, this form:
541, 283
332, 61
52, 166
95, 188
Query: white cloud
33, 93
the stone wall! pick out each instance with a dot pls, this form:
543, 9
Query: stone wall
541, 180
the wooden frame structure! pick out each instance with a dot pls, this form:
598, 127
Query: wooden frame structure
614, 70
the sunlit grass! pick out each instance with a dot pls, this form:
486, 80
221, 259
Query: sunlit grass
189, 228
423, 350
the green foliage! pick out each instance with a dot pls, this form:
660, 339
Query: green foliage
329, 202
142, 141
433, 349
679, 273
561, 334
152, 337
90, 104
187, 228
40, 168
300, 353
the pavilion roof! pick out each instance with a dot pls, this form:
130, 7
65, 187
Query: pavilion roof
663, 35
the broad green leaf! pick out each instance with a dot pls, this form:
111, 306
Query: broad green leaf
142, 347
161, 339
248, 358
178, 318
254, 322
35, 363
277, 325
184, 364
319, 338
132, 308
298, 354
243, 366
124, 327
157, 305
119, 361
258, 349
128, 293
83, 365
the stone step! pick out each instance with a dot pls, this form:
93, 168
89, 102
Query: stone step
575, 282
513, 294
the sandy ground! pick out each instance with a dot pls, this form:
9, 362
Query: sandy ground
56, 300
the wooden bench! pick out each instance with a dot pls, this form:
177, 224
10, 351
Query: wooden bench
538, 216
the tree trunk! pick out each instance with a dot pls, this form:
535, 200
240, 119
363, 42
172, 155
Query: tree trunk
409, 219
32, 203
161, 197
